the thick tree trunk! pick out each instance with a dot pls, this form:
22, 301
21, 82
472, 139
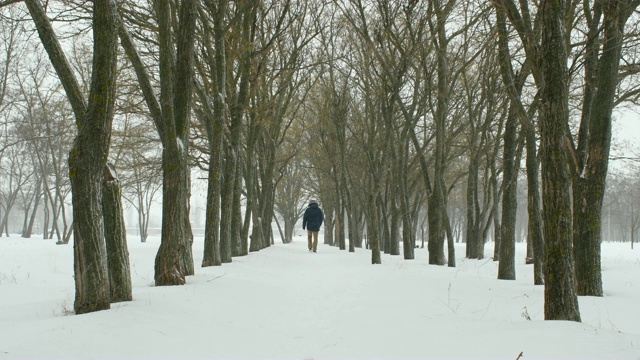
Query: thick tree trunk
175, 99
115, 238
88, 155
168, 264
90, 264
435, 245
590, 179
587, 236
561, 301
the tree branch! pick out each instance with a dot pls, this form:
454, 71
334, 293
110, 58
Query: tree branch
58, 59
143, 77
9, 2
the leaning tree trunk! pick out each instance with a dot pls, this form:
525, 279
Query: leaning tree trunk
88, 156
36, 206
115, 238
560, 299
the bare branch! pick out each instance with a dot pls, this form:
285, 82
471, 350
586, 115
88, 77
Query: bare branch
9, 2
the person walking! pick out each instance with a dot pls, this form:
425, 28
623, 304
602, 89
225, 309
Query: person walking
312, 220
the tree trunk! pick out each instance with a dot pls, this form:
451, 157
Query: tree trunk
437, 200
266, 201
373, 229
240, 248
211, 256
435, 245
250, 180
187, 255
590, 179
38, 194
560, 299
533, 207
168, 262
88, 155
340, 224
115, 238
328, 225
497, 227
176, 76
506, 267
473, 230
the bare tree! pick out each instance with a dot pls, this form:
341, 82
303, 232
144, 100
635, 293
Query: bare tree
17, 172
171, 116
212, 71
561, 301
289, 199
138, 158
590, 157
88, 156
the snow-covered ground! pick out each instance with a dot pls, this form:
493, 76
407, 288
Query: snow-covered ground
287, 303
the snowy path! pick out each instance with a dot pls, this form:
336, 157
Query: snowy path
286, 303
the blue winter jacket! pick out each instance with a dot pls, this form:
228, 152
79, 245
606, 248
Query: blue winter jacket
313, 217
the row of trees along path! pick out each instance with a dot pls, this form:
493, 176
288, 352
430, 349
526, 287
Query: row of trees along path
387, 111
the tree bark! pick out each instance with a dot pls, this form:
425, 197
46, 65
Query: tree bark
533, 206
38, 194
373, 229
175, 100
506, 267
88, 155
561, 301
115, 238
437, 200
595, 143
